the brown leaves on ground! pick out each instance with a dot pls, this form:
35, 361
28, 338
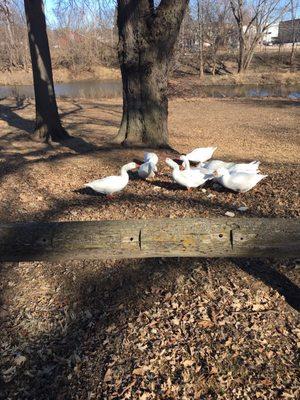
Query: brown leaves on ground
149, 329
43, 182
167, 329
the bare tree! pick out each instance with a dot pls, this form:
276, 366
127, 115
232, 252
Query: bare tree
147, 36
294, 5
47, 122
200, 23
213, 26
217, 28
12, 29
84, 34
253, 18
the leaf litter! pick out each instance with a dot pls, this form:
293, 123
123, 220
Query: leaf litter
178, 329
150, 329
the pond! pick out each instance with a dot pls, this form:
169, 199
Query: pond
96, 89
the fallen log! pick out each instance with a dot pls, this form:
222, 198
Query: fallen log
187, 237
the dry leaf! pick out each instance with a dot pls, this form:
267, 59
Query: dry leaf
145, 396
205, 323
108, 375
258, 307
141, 370
214, 370
19, 360
188, 363
110, 328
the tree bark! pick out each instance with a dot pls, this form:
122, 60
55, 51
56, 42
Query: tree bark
200, 38
242, 51
47, 123
293, 49
147, 36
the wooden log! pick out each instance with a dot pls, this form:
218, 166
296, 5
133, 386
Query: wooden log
188, 237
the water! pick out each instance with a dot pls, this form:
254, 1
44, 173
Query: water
262, 91
87, 89
113, 88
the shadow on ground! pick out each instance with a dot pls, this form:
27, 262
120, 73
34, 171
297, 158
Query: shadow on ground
106, 301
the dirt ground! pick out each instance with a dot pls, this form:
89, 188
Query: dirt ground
149, 329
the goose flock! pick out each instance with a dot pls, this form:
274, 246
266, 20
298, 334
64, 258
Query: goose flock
239, 177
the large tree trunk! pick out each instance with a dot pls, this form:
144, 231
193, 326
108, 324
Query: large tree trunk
146, 42
145, 104
47, 123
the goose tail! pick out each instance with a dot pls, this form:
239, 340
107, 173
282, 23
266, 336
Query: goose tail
262, 177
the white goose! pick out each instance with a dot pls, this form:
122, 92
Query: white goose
150, 157
188, 178
201, 154
213, 165
112, 184
147, 170
186, 166
238, 181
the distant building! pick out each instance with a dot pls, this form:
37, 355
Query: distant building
271, 34
285, 34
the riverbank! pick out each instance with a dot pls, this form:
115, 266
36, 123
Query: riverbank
63, 75
247, 78
60, 75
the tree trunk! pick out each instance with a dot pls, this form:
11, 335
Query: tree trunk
293, 50
200, 38
47, 123
146, 42
145, 103
241, 56
292, 56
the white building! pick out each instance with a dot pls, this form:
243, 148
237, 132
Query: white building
271, 34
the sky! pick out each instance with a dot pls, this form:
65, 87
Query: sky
50, 4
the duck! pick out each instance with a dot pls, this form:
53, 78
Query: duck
112, 184
201, 154
188, 178
147, 170
240, 182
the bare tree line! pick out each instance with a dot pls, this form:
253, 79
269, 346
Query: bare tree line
84, 33
147, 31
14, 51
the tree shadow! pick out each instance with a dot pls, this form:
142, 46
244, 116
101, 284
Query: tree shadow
79, 145
13, 119
103, 299
263, 270
8, 114
105, 302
